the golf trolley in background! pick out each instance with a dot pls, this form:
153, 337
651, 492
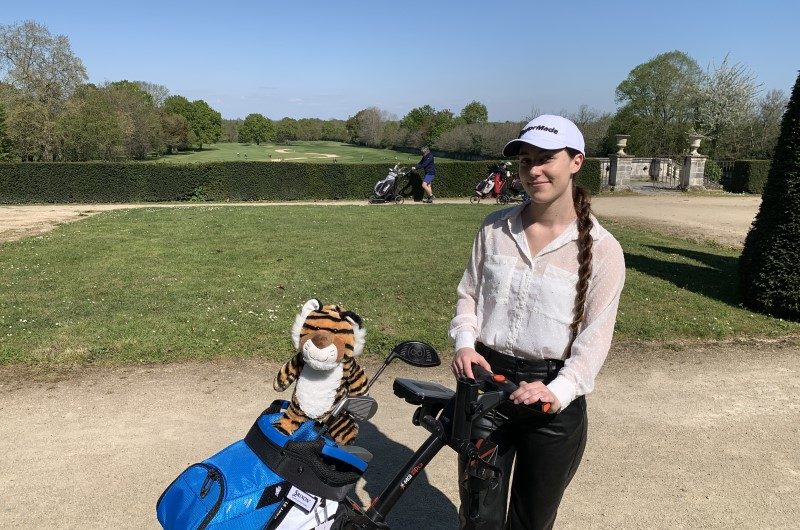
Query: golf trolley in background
389, 188
501, 184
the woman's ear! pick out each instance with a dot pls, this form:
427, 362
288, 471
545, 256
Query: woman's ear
576, 163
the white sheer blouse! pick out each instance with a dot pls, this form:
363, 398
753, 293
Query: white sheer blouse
522, 305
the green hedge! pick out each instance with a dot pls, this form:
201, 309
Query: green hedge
100, 182
749, 176
589, 176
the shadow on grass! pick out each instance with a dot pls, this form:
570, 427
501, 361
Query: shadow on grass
423, 505
716, 278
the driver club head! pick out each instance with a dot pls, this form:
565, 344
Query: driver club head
415, 353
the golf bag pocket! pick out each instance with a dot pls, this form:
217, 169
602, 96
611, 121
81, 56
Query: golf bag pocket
265, 480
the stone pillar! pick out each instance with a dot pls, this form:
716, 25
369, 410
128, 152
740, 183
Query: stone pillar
694, 166
619, 175
692, 173
620, 165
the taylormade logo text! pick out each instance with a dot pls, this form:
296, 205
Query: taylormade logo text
545, 128
539, 128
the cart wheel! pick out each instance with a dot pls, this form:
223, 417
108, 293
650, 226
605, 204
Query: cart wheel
399, 199
502, 199
372, 199
474, 199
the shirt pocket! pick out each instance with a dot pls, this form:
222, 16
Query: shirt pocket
497, 273
556, 297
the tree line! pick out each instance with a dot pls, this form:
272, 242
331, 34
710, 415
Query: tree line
661, 102
48, 112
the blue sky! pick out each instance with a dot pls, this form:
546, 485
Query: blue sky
329, 59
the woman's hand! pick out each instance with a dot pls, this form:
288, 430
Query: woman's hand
529, 393
462, 362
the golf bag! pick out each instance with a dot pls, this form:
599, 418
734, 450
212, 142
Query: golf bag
492, 185
386, 189
266, 480
486, 187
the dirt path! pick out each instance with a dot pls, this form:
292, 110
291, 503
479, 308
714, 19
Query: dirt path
723, 219
706, 437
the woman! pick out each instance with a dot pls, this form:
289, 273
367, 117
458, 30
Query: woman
537, 303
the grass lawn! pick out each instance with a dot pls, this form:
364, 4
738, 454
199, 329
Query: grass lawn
170, 284
307, 152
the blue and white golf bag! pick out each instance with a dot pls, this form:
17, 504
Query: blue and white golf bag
267, 480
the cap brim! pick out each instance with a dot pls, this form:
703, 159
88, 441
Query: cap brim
512, 148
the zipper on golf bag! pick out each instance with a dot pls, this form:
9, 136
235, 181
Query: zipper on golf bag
213, 476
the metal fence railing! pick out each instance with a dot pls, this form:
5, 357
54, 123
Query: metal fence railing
727, 172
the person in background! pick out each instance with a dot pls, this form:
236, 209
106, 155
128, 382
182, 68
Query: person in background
537, 303
429, 166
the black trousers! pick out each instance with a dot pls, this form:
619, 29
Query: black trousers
547, 448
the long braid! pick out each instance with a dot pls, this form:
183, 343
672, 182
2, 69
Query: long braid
580, 198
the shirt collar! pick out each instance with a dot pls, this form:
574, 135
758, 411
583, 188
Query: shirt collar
513, 219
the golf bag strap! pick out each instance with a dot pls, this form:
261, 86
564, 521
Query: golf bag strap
305, 473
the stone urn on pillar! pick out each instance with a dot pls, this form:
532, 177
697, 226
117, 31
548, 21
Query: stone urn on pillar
622, 143
620, 165
693, 165
694, 143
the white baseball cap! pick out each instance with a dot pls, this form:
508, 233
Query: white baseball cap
547, 132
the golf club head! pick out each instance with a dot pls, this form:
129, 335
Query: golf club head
361, 408
416, 353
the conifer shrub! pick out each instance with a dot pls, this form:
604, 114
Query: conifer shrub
769, 267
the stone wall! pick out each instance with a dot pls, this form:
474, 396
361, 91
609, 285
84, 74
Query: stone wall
642, 169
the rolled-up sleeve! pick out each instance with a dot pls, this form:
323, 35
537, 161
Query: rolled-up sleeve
591, 345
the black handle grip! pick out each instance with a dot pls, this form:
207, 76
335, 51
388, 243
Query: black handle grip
482, 375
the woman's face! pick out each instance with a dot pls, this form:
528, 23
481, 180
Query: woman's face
547, 174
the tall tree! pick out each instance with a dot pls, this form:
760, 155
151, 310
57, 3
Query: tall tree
256, 129
309, 129
334, 130
766, 126
594, 126
90, 128
418, 118
726, 107
204, 122
159, 93
175, 130
30, 132
768, 271
38, 63
426, 124
45, 72
285, 130
474, 112
366, 127
139, 117
659, 100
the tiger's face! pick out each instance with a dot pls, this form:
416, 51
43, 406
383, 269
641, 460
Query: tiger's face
327, 334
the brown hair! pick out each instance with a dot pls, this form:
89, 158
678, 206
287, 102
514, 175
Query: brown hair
580, 198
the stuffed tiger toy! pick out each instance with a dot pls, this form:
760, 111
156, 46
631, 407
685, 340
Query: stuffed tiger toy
327, 339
